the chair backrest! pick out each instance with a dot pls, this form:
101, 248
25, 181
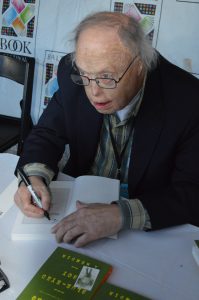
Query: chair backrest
21, 71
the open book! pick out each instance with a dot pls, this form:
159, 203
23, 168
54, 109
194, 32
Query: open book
89, 189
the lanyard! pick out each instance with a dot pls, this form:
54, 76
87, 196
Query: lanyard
119, 156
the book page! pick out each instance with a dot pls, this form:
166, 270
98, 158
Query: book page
40, 228
58, 206
94, 189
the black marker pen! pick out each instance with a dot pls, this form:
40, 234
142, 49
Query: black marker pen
35, 197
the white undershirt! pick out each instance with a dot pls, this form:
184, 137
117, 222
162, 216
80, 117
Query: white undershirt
127, 110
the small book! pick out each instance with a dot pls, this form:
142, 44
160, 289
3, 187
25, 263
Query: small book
195, 251
67, 275
89, 189
109, 292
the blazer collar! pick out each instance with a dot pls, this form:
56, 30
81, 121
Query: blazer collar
148, 126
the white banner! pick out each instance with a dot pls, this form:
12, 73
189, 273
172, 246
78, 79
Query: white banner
146, 12
18, 25
49, 80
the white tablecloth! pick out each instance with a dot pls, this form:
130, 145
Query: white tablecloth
157, 264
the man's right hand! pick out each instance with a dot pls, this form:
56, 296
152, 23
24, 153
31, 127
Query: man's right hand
24, 201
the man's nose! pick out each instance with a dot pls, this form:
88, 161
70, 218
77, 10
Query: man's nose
95, 89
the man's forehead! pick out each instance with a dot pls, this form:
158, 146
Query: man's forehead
100, 40
98, 49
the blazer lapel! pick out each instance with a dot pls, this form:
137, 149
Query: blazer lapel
147, 128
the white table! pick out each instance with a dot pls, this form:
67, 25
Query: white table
7, 166
157, 264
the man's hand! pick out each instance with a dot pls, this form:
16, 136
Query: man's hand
24, 201
90, 222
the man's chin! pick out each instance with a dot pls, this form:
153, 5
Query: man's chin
106, 111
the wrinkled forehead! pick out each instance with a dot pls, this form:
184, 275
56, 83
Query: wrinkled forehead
100, 46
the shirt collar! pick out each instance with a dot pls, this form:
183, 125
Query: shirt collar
133, 106
125, 113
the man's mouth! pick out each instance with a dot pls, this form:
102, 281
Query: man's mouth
101, 105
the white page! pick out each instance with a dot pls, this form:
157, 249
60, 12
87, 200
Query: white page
26, 228
94, 189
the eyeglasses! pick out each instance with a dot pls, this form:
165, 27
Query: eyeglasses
104, 83
4, 282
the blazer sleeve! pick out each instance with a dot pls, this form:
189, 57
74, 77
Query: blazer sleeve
169, 187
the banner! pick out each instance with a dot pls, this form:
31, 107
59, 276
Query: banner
18, 26
147, 13
49, 78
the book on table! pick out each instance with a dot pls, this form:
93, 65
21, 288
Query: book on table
70, 275
89, 189
109, 291
195, 251
67, 275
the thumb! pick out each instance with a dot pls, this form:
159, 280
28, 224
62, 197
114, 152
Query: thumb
45, 198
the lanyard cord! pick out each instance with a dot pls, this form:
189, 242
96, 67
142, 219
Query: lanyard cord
119, 156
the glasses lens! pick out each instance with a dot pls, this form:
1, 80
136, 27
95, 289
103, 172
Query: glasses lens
106, 83
80, 80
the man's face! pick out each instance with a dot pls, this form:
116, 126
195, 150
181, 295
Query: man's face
100, 53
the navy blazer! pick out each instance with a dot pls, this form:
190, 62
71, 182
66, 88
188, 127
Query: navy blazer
164, 161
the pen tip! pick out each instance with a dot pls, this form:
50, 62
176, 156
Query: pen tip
46, 214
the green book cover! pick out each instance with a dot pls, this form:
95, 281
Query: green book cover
111, 292
66, 275
195, 251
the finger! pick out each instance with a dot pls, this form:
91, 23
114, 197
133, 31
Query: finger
33, 211
70, 219
44, 194
57, 226
72, 234
60, 233
45, 198
83, 240
23, 200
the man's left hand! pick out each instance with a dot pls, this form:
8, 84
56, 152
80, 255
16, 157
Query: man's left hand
88, 223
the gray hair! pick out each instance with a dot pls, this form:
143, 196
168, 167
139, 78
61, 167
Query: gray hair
129, 31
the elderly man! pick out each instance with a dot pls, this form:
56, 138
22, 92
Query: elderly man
126, 113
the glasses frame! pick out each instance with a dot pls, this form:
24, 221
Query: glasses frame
98, 78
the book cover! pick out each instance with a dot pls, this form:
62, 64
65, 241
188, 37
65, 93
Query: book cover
111, 292
88, 189
67, 275
195, 251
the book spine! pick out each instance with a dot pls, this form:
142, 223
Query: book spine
101, 283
